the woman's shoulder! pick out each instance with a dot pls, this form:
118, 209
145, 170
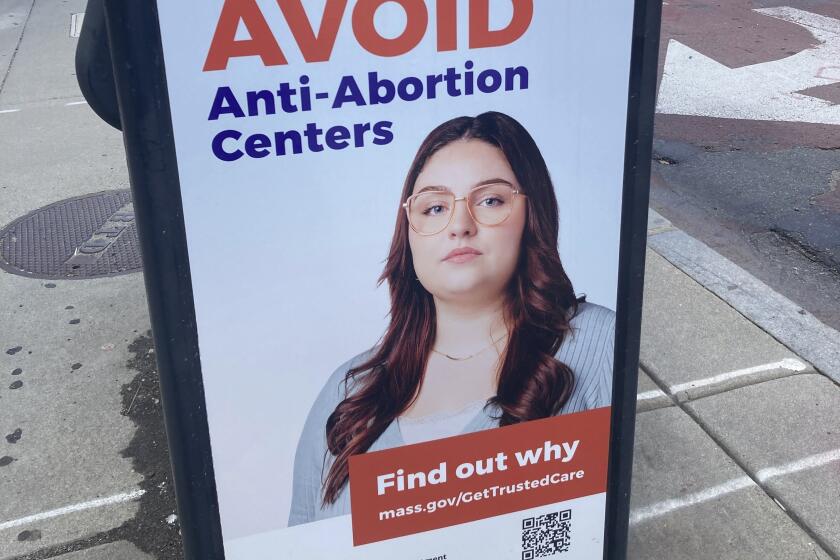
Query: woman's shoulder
588, 351
592, 334
312, 445
334, 391
338, 385
592, 318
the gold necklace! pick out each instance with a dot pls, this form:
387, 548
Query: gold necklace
456, 359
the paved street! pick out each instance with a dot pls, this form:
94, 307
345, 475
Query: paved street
746, 139
738, 434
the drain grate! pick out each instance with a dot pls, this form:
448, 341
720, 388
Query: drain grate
82, 237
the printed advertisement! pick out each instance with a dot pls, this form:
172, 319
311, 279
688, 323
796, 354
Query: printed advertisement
403, 222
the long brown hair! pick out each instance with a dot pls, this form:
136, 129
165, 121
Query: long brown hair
539, 304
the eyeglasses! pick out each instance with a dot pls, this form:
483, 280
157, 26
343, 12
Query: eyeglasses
431, 212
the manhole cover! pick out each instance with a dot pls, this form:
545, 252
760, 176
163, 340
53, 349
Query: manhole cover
82, 237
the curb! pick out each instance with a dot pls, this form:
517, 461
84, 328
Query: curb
781, 318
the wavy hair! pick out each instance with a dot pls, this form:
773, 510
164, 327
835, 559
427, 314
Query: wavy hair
539, 303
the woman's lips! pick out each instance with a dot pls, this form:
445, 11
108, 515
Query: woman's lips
462, 255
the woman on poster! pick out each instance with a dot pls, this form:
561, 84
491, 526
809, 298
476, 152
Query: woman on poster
485, 329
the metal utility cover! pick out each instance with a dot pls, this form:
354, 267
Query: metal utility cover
83, 237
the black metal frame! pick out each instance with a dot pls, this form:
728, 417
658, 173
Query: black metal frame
137, 56
94, 69
631, 270
136, 52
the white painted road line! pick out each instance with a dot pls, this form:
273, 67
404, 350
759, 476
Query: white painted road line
76, 21
811, 462
110, 500
661, 508
70, 104
789, 364
650, 395
695, 84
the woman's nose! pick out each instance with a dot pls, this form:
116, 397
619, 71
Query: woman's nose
462, 221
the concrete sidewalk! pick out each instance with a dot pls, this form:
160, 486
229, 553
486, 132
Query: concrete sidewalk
737, 439
80, 459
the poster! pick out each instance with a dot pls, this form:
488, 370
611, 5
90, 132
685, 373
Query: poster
403, 224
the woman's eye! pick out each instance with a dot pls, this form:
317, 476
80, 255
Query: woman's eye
491, 201
434, 210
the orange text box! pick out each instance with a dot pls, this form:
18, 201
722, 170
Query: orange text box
440, 483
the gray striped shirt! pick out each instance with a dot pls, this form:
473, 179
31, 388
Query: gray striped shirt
588, 351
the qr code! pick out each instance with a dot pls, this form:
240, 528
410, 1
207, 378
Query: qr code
546, 535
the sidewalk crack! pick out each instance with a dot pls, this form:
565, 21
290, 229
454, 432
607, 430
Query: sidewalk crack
17, 47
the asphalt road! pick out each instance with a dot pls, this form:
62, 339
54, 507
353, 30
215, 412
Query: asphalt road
747, 150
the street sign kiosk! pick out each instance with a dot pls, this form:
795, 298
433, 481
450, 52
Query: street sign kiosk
394, 254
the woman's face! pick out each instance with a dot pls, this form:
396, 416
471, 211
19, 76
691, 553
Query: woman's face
480, 274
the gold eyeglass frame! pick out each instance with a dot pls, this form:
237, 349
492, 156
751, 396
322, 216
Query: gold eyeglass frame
407, 204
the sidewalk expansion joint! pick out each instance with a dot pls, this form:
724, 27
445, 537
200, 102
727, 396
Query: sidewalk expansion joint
763, 475
758, 479
715, 384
